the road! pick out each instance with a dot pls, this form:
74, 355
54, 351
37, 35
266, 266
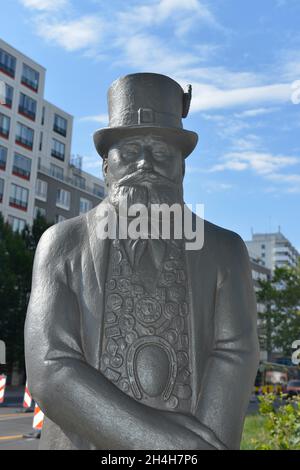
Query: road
13, 425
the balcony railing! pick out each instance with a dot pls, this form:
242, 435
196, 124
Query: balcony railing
4, 133
18, 204
67, 180
20, 172
8, 102
25, 112
58, 155
30, 84
7, 70
60, 130
24, 142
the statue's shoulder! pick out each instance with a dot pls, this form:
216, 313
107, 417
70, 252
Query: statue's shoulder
223, 242
63, 238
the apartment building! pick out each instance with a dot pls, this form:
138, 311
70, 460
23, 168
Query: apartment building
35, 149
273, 249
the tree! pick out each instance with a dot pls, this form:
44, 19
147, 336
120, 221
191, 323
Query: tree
280, 321
16, 260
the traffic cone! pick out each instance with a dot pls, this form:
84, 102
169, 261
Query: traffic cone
38, 420
2, 387
27, 401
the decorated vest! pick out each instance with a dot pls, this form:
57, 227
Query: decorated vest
145, 346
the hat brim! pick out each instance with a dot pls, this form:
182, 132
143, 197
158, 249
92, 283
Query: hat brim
182, 138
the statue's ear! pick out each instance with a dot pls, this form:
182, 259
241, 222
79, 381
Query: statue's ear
104, 166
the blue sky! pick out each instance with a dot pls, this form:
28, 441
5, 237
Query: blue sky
243, 60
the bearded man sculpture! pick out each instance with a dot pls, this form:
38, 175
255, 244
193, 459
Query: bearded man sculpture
140, 343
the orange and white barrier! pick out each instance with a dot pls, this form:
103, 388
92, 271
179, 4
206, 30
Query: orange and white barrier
27, 402
2, 387
38, 418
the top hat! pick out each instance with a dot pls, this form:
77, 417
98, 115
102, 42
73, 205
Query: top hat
143, 103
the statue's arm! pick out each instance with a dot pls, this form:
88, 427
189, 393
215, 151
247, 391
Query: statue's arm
232, 366
73, 394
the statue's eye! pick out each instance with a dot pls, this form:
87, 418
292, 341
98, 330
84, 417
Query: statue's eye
130, 151
160, 151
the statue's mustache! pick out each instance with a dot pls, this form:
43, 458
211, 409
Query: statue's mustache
149, 176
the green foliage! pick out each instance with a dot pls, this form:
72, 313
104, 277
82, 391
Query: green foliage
280, 322
281, 423
16, 260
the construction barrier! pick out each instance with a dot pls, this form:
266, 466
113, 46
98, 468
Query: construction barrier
277, 389
38, 418
2, 387
27, 402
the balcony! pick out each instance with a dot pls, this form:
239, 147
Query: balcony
24, 142
67, 180
29, 84
4, 133
7, 70
8, 103
17, 204
60, 130
25, 112
58, 155
21, 173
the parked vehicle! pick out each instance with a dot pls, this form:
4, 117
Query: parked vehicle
293, 388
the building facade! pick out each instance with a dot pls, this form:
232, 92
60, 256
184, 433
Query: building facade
273, 250
35, 149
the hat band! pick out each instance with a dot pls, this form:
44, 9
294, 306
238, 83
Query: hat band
145, 117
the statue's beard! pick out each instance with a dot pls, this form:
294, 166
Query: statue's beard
145, 188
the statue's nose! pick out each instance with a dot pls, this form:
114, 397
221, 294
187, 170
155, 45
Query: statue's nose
145, 159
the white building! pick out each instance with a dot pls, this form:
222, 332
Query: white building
35, 138
272, 249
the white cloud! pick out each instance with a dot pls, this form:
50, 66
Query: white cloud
256, 112
262, 163
99, 118
71, 35
45, 5
207, 97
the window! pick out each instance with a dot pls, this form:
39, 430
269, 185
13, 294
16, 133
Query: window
22, 166
263, 247
98, 190
3, 157
41, 142
60, 125
41, 211
17, 224
30, 78
43, 116
4, 126
24, 136
58, 150
18, 197
59, 218
63, 199
8, 97
41, 189
7, 63
57, 171
85, 205
27, 106
1, 189
79, 181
